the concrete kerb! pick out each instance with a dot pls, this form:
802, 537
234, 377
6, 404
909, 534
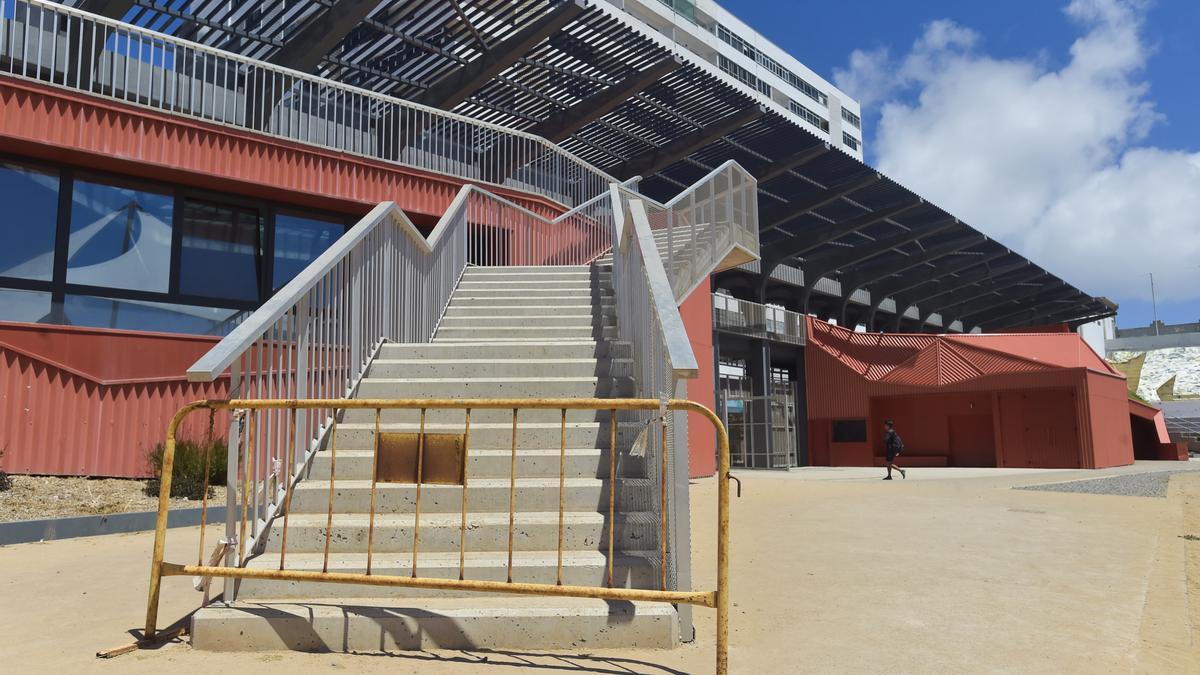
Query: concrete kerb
50, 529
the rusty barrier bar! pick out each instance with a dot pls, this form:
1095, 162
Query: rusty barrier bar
718, 599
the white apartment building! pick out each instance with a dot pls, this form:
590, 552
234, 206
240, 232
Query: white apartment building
742, 55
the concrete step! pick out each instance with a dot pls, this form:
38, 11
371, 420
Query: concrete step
512, 367
488, 289
485, 340
457, 415
583, 285
436, 623
526, 300
499, 274
484, 495
507, 349
536, 463
548, 320
494, 387
539, 332
515, 311
496, 435
486, 531
580, 568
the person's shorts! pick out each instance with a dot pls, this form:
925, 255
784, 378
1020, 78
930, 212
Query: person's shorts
891, 456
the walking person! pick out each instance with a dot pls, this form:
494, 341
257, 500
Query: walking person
892, 446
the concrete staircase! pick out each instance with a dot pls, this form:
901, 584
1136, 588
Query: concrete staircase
508, 332
679, 265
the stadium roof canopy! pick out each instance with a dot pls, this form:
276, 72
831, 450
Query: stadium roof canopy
614, 92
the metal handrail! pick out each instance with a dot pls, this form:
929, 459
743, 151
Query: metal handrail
757, 320
74, 49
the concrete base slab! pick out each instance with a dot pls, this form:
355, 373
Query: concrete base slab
347, 625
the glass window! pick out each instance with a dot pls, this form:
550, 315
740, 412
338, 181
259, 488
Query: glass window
28, 222
84, 310
850, 141
222, 251
26, 306
298, 242
849, 431
120, 237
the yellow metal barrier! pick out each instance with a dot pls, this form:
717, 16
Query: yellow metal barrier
718, 599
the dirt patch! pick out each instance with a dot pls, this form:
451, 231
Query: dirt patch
33, 497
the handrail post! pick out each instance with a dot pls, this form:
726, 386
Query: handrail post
232, 441
356, 309
303, 337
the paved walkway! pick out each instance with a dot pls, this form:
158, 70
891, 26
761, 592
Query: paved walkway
958, 574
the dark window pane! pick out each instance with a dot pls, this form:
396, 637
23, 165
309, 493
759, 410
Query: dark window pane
298, 241
28, 222
222, 251
83, 310
120, 237
850, 431
22, 305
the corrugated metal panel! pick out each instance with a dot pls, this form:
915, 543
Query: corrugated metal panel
57, 418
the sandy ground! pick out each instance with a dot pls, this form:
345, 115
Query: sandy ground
943, 573
54, 497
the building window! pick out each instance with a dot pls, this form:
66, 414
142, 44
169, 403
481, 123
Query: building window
298, 242
850, 141
851, 119
120, 237
743, 75
684, 8
28, 223
84, 310
849, 431
222, 251
728, 37
808, 115
25, 306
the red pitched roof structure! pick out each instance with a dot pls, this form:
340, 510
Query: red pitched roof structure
1015, 400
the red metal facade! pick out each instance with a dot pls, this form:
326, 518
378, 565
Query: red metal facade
1015, 400
93, 402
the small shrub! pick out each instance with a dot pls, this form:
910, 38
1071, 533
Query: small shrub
5, 479
187, 472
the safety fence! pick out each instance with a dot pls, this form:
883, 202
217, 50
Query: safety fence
74, 49
424, 459
731, 315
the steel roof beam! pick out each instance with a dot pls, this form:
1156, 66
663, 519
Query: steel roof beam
460, 83
305, 49
864, 277
780, 167
971, 286
821, 266
113, 9
801, 244
787, 212
971, 311
563, 123
917, 278
1004, 315
665, 155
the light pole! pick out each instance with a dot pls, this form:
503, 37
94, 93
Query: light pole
1153, 303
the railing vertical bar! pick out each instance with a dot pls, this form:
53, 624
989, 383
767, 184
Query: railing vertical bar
332, 480
242, 549
562, 474
204, 493
417, 507
663, 499
462, 530
512, 495
288, 487
374, 480
612, 489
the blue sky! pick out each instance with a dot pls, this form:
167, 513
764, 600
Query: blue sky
1078, 207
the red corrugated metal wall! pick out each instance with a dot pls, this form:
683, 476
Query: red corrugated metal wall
61, 413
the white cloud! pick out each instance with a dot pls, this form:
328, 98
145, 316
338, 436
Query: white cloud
1048, 161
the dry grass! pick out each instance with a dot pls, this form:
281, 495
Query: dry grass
34, 497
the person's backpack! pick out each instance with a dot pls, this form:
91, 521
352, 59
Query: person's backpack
897, 443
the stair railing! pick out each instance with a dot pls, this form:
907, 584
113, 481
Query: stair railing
709, 227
